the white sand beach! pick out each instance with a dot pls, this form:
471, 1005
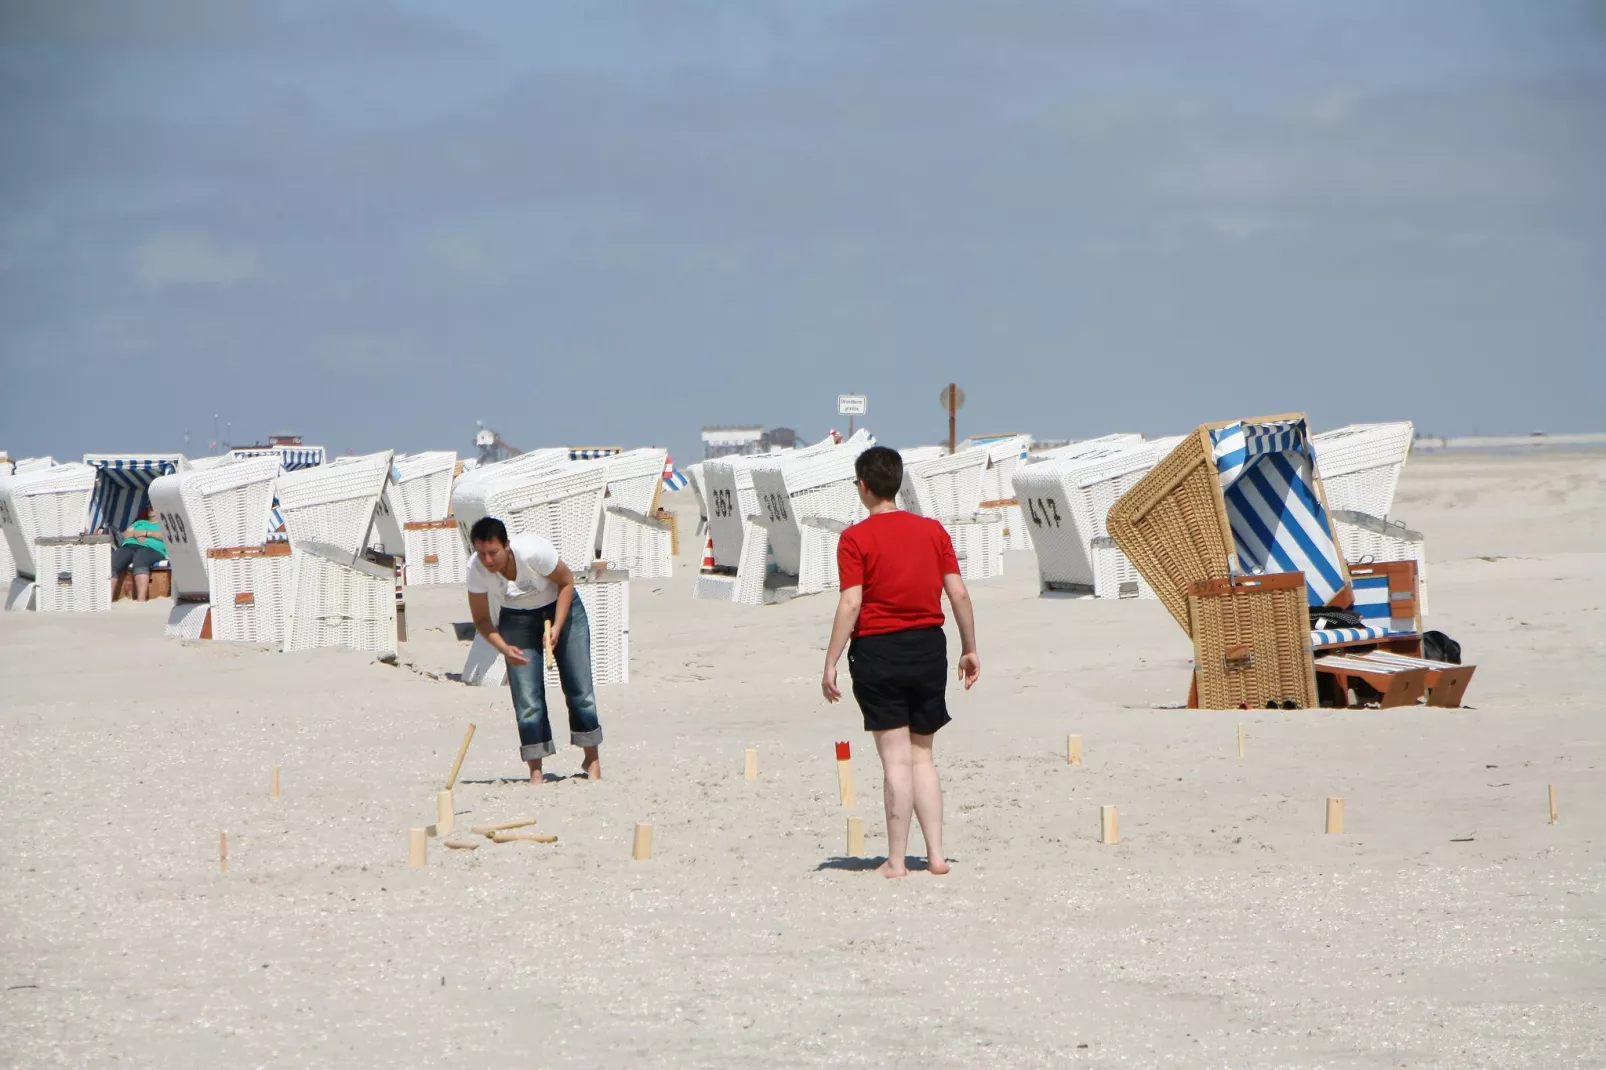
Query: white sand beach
1451, 925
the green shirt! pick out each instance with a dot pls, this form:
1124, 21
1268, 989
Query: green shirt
148, 533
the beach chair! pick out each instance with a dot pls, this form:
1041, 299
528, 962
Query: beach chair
694, 480
1005, 457
228, 582
633, 533
804, 502
1066, 501
1360, 465
556, 498
59, 565
606, 596
414, 520
343, 593
122, 489
1072, 450
948, 489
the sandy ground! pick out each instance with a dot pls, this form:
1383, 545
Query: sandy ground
1226, 930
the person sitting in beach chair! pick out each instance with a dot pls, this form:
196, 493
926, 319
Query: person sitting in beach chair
533, 588
894, 567
142, 546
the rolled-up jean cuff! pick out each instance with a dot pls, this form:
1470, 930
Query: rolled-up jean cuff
534, 751
592, 738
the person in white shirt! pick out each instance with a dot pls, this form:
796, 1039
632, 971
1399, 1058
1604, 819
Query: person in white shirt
530, 585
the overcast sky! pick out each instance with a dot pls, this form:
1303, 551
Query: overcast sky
615, 221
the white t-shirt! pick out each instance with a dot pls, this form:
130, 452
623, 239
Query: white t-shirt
535, 559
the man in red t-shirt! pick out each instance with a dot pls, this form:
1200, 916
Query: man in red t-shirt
894, 567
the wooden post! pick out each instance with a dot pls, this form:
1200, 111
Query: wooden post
855, 837
443, 812
751, 772
844, 775
417, 847
1073, 750
222, 852
641, 847
1240, 739
275, 782
546, 644
1335, 817
1553, 814
1109, 825
953, 411
451, 781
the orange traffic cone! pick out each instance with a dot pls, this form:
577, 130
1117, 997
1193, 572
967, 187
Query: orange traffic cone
708, 555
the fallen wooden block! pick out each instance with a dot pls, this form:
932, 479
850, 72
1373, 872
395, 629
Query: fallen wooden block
486, 830
462, 845
531, 837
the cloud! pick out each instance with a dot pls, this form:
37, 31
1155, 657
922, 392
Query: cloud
188, 259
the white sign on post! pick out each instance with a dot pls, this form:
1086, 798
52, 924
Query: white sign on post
850, 405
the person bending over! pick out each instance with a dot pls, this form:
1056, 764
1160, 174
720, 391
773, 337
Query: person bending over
894, 567
530, 585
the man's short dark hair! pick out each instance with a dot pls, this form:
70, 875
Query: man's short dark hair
881, 471
487, 528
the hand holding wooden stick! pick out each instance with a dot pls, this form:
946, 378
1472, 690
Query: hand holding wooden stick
546, 644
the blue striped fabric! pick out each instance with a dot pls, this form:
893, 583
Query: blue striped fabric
122, 489
1375, 608
291, 459
673, 478
1331, 636
592, 455
1278, 523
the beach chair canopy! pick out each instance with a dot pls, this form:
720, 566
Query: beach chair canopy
1278, 519
122, 486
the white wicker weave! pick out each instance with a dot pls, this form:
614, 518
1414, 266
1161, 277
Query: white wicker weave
1072, 450
213, 508
561, 502
73, 577
333, 603
948, 489
45, 503
630, 534
1360, 465
997, 485
435, 556
251, 598
332, 506
423, 489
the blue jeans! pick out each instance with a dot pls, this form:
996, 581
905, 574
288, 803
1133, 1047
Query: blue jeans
524, 629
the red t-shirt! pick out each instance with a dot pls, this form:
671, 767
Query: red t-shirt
899, 559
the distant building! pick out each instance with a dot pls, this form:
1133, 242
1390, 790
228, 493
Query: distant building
727, 441
284, 439
746, 441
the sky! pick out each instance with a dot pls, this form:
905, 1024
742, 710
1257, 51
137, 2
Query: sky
376, 222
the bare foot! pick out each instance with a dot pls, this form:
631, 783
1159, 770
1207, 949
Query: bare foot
938, 866
592, 766
890, 871
536, 779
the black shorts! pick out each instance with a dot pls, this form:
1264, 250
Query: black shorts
900, 680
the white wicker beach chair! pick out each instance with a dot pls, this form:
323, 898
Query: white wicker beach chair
58, 566
1004, 457
343, 593
1367, 540
632, 535
1360, 465
228, 583
804, 501
414, 519
1066, 502
560, 500
948, 489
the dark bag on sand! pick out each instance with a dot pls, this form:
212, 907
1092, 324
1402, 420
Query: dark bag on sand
1436, 646
1335, 618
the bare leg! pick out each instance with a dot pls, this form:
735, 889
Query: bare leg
117, 581
142, 588
897, 791
928, 801
592, 766
535, 771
